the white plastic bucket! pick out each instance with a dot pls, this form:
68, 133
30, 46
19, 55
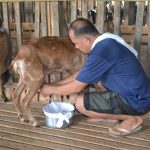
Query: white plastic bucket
58, 114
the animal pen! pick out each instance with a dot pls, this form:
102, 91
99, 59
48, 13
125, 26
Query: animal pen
31, 19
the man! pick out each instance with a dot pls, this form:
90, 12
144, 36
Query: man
114, 64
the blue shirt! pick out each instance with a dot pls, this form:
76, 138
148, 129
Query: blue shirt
119, 70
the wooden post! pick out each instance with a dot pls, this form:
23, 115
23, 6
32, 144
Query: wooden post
100, 16
117, 18
18, 24
138, 27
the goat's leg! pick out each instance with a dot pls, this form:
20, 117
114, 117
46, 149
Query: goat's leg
16, 98
2, 95
34, 87
1, 89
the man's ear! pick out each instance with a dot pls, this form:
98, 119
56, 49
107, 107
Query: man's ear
88, 39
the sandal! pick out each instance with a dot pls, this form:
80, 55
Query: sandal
118, 131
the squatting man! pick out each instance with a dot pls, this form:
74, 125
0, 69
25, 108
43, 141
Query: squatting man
111, 63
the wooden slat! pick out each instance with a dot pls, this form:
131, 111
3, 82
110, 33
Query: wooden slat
73, 10
37, 20
126, 16
43, 19
48, 0
74, 136
138, 27
27, 11
148, 52
5, 17
63, 27
25, 35
125, 29
95, 134
31, 9
100, 16
24, 25
6, 148
117, 17
54, 18
84, 9
18, 22
49, 20
130, 29
82, 135
21, 145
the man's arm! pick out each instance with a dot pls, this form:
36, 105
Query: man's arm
68, 88
67, 79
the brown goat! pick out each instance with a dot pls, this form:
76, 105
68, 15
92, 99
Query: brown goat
31, 62
4, 53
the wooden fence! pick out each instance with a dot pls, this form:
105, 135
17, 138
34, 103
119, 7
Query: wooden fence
24, 20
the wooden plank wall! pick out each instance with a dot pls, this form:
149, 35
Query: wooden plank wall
25, 20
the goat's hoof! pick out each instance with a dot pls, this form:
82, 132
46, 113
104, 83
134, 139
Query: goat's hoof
35, 124
3, 98
23, 120
19, 116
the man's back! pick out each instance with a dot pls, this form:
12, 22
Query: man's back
120, 71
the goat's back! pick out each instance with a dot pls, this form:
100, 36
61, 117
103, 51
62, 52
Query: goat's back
54, 53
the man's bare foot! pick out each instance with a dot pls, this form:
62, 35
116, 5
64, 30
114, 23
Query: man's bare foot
102, 120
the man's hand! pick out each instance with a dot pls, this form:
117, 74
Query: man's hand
45, 90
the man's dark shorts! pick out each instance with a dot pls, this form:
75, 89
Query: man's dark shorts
108, 102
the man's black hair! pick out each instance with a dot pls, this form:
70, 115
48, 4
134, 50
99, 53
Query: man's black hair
83, 26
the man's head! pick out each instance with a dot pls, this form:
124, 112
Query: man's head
83, 33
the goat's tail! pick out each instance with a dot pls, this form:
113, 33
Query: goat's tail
5, 76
